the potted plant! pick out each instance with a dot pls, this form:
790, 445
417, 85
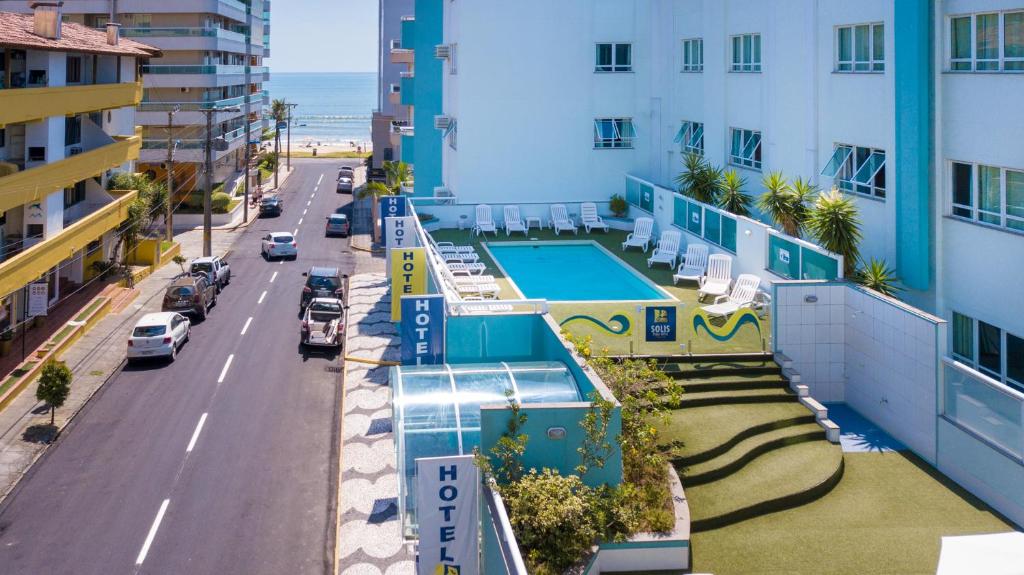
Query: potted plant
618, 205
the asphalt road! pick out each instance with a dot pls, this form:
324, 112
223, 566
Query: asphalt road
222, 462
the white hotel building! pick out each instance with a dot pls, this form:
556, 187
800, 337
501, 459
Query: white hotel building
560, 100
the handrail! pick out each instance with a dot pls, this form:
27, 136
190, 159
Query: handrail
510, 554
995, 384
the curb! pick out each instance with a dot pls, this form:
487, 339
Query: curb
371, 361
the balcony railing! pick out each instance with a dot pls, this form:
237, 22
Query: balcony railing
202, 69
31, 104
199, 143
185, 32
194, 106
989, 409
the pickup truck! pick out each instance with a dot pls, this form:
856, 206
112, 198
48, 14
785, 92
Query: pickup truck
323, 324
212, 265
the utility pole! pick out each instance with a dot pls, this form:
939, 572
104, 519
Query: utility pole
208, 185
289, 153
248, 128
168, 222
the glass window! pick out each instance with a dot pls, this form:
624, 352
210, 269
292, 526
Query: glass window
988, 195
1014, 359
861, 49
963, 337
960, 43
1015, 199
862, 172
690, 137
990, 353
746, 148
604, 58
838, 160
746, 53
962, 190
623, 57
693, 55
878, 48
614, 58
987, 41
614, 133
1013, 41
149, 331
844, 49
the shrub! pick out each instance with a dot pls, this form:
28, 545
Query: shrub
220, 202
618, 205
127, 181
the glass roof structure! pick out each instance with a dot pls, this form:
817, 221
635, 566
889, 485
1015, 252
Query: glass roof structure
437, 409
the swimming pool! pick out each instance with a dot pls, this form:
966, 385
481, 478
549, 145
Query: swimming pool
571, 271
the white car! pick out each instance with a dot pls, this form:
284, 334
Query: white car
279, 245
159, 335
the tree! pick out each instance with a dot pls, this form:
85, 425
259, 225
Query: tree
699, 179
777, 202
804, 194
835, 225
54, 386
278, 111
732, 196
180, 260
395, 174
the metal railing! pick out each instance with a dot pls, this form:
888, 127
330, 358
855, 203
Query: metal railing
183, 32
202, 69
194, 106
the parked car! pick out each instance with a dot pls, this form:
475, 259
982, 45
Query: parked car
321, 282
344, 185
279, 245
337, 224
191, 294
158, 335
271, 206
376, 175
323, 324
346, 171
215, 265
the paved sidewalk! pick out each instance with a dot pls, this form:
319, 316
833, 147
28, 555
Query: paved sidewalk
92, 359
370, 538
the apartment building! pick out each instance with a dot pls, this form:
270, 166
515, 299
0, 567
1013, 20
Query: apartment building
67, 122
203, 66
395, 62
535, 100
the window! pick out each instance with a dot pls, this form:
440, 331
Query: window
860, 48
989, 349
452, 64
614, 58
746, 53
74, 70
73, 131
34, 231
857, 169
690, 138
3, 137
988, 194
614, 133
451, 133
36, 154
74, 195
989, 42
746, 148
693, 55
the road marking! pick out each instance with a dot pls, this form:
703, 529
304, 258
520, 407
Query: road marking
195, 434
304, 211
296, 232
264, 294
273, 277
280, 263
245, 327
320, 181
311, 196
224, 371
152, 532
309, 203
300, 221
316, 188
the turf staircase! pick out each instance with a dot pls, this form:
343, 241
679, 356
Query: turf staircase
747, 439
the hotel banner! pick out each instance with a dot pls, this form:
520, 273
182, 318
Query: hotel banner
398, 233
408, 276
423, 330
447, 510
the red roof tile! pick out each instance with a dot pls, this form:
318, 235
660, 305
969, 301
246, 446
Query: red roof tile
16, 30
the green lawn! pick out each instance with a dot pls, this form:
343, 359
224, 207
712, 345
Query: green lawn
887, 515
746, 340
96, 303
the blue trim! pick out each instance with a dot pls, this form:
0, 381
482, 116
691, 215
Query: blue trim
427, 96
914, 140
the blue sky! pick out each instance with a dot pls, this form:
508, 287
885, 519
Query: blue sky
323, 36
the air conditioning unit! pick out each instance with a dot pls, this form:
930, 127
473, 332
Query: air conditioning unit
76, 150
444, 196
442, 122
396, 88
442, 51
396, 44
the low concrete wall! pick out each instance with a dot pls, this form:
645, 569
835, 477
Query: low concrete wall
192, 221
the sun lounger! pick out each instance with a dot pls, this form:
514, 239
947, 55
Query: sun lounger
694, 264
641, 235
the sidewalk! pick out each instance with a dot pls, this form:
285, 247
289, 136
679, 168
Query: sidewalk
92, 359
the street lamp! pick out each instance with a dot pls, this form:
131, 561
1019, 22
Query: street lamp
220, 144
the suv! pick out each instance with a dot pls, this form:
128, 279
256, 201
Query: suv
192, 294
217, 266
321, 282
337, 224
271, 205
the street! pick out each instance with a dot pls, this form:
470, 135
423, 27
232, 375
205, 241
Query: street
222, 462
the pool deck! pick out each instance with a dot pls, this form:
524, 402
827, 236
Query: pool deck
746, 340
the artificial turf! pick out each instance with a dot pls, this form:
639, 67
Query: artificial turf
746, 340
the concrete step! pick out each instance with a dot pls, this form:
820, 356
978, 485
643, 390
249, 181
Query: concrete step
747, 450
723, 397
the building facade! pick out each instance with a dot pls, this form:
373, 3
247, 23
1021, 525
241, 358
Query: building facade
541, 101
203, 66
395, 62
67, 123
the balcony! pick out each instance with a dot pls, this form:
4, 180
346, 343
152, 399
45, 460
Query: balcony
395, 95
201, 75
31, 104
34, 183
403, 56
195, 38
36, 260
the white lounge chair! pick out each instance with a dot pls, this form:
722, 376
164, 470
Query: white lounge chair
718, 279
484, 220
474, 286
694, 264
590, 219
641, 235
667, 250
560, 220
468, 267
464, 257
449, 247
742, 296
514, 221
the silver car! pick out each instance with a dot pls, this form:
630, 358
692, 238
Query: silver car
279, 245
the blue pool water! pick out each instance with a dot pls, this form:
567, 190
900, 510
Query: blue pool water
571, 272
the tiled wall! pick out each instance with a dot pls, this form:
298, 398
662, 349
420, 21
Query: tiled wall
879, 356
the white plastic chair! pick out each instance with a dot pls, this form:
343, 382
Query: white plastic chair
514, 221
560, 220
667, 250
742, 296
590, 219
718, 278
467, 267
485, 220
694, 264
641, 234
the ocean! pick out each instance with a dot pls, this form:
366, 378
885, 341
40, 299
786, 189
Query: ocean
333, 108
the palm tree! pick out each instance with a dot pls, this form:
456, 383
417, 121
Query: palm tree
732, 197
877, 275
777, 202
699, 180
395, 174
835, 225
804, 193
278, 111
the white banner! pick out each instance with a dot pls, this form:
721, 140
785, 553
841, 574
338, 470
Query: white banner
447, 513
38, 298
399, 232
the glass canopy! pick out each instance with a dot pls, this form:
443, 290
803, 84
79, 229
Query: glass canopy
437, 409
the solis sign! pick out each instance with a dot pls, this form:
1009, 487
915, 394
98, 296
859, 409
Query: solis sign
446, 510
661, 323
